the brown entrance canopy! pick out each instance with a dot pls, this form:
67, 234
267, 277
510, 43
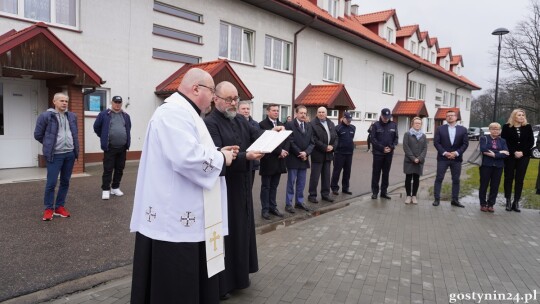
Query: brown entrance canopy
328, 95
410, 108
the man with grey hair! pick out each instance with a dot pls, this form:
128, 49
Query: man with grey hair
227, 128
56, 129
179, 211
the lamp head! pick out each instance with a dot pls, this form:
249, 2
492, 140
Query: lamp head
500, 31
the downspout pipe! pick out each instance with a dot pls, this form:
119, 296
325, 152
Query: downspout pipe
294, 58
407, 82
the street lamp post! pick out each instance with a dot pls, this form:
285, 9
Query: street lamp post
498, 32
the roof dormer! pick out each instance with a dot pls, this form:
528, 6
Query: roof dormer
444, 57
408, 37
456, 64
433, 50
385, 24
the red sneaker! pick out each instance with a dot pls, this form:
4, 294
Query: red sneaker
490, 209
484, 208
62, 212
47, 215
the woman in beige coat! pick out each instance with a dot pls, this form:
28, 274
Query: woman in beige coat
415, 147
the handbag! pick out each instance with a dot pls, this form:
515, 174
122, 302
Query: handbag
476, 156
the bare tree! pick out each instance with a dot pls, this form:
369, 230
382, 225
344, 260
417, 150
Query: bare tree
521, 55
482, 109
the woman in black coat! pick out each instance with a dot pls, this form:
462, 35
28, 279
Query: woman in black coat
520, 140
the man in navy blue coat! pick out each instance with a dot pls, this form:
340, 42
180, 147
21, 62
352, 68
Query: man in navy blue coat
451, 141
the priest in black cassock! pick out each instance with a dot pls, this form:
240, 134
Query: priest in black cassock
229, 128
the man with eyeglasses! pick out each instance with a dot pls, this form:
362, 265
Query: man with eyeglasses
451, 141
228, 128
113, 127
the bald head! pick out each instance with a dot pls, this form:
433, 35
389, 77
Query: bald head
198, 86
321, 113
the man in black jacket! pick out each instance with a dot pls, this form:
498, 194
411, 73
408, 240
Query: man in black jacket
272, 165
384, 139
325, 139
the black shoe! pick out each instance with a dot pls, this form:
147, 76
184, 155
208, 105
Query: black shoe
302, 206
313, 200
225, 297
276, 212
385, 196
437, 202
508, 204
289, 209
457, 204
266, 216
374, 196
515, 206
335, 192
347, 192
328, 199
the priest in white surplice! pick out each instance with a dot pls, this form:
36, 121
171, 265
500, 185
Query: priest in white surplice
180, 209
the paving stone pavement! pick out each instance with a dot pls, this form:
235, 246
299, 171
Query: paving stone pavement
380, 251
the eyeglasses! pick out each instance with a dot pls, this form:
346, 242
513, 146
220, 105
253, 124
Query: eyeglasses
228, 99
213, 90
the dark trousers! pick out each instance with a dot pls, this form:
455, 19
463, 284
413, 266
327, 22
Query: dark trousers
322, 170
269, 184
412, 189
514, 171
381, 164
62, 165
113, 160
455, 170
489, 176
341, 161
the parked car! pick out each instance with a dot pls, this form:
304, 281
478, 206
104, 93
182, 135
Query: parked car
474, 133
484, 131
536, 130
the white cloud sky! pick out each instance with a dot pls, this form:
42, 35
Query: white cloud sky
463, 25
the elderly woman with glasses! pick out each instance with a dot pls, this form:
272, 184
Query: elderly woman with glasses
520, 139
494, 150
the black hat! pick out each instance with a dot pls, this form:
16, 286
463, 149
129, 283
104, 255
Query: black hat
386, 113
347, 116
117, 99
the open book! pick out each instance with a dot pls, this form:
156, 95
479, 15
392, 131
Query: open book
269, 141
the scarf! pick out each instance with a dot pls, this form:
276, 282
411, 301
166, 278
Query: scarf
415, 133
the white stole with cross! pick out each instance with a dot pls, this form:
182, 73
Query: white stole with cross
213, 231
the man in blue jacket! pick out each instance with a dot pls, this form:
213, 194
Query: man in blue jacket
384, 139
56, 129
343, 155
113, 126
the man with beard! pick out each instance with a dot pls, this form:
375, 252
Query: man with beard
228, 128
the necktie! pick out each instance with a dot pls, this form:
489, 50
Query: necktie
274, 123
302, 127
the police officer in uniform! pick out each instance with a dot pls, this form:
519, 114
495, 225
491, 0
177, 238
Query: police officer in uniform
384, 139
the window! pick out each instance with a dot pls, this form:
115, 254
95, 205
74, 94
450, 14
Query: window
356, 115
172, 56
446, 99
438, 90
421, 91
58, 12
428, 123
370, 116
413, 47
452, 100
423, 52
176, 34
176, 11
468, 104
236, 43
388, 83
389, 35
433, 58
332, 68
277, 54
95, 101
333, 7
446, 64
412, 89
283, 113
333, 113
438, 98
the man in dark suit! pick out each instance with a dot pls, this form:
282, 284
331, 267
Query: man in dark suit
325, 139
272, 165
301, 146
451, 141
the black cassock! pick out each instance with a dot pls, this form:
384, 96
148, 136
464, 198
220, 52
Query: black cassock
240, 244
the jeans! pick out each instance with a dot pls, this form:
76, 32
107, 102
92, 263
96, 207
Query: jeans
113, 159
341, 161
298, 177
62, 164
455, 170
269, 184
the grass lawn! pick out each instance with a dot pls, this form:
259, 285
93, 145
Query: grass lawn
471, 181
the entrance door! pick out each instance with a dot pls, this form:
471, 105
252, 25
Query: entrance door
17, 120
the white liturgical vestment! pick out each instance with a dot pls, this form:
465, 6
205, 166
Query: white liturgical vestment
179, 196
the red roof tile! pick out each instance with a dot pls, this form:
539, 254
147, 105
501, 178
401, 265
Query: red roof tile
327, 95
377, 17
410, 108
408, 31
219, 69
424, 36
441, 113
445, 51
456, 60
